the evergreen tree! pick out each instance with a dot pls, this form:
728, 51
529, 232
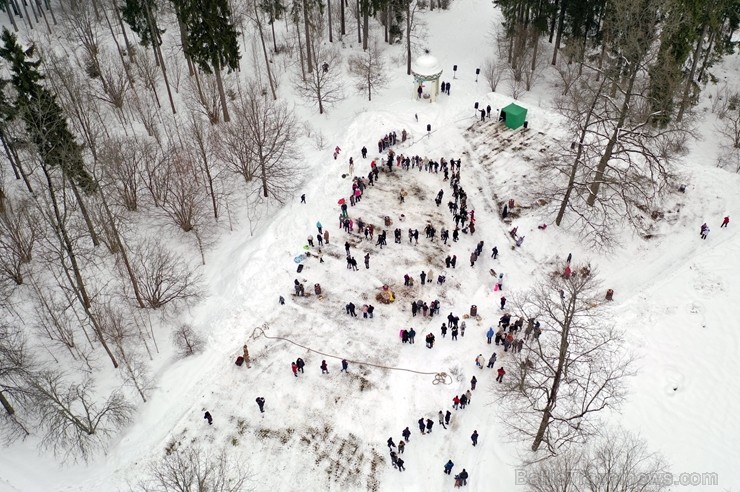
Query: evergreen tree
134, 12
212, 38
45, 121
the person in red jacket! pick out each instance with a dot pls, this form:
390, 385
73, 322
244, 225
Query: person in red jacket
294, 368
501, 373
725, 221
455, 402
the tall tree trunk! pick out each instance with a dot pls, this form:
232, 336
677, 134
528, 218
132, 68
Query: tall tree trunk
607, 155
307, 28
359, 31
408, 37
122, 249
385, 21
156, 44
264, 51
15, 160
574, 168
341, 23
365, 23
27, 18
129, 49
558, 37
328, 9
221, 93
12, 17
274, 37
553, 20
85, 214
690, 79
300, 51
707, 54
79, 284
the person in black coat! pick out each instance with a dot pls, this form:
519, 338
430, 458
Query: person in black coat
430, 424
364, 152
406, 434
261, 403
422, 427
464, 477
474, 438
299, 362
208, 417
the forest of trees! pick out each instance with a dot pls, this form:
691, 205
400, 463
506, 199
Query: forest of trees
119, 118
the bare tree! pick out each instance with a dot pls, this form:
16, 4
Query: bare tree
493, 72
617, 460
19, 231
14, 363
323, 85
203, 96
73, 423
190, 468
638, 171
122, 330
270, 143
561, 380
163, 277
729, 128
122, 162
187, 340
368, 70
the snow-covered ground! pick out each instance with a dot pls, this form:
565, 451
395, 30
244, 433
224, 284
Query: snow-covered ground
676, 297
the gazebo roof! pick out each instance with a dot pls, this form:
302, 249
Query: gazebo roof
426, 65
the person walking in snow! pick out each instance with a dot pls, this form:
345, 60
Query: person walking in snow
503, 303
489, 335
480, 360
494, 253
705, 232
448, 416
406, 433
430, 424
394, 459
492, 361
422, 425
464, 477
448, 467
367, 260
455, 402
725, 221
441, 419
454, 333
260, 403
474, 438
299, 363
399, 464
364, 152
501, 374
318, 226
294, 368
423, 277
469, 396
444, 330
473, 382
345, 365
401, 447
324, 367
390, 443
208, 417
463, 401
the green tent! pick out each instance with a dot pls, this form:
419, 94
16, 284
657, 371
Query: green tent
514, 116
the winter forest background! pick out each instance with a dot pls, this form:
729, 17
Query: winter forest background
154, 153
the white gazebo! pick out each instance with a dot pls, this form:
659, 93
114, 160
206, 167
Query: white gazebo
426, 71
